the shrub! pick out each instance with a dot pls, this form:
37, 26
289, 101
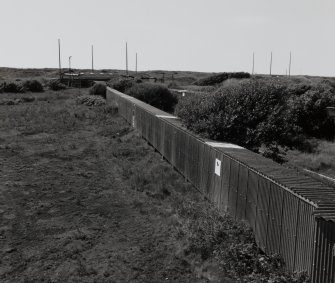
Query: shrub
216, 79
56, 85
310, 109
123, 85
211, 234
98, 89
12, 87
91, 100
154, 94
33, 86
250, 113
173, 85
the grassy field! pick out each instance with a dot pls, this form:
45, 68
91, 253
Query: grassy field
76, 204
321, 160
84, 199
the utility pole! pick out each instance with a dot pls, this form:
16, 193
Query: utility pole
70, 63
136, 64
92, 60
271, 64
289, 66
127, 58
253, 63
59, 62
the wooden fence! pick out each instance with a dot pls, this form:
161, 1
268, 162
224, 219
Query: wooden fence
291, 214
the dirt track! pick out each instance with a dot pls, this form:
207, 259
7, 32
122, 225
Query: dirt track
84, 199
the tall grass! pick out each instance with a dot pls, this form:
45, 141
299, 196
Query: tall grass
321, 160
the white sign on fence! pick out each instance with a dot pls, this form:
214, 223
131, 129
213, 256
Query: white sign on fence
217, 167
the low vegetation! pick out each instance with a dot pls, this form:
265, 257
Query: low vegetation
107, 203
154, 94
123, 85
98, 89
33, 86
56, 85
231, 243
256, 112
219, 78
319, 159
91, 100
21, 87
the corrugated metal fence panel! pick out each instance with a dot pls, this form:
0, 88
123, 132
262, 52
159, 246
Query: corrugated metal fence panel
193, 161
242, 192
178, 156
201, 167
168, 141
233, 186
225, 180
211, 174
138, 122
189, 152
305, 238
262, 212
275, 217
252, 196
324, 265
205, 171
289, 228
150, 128
217, 178
175, 150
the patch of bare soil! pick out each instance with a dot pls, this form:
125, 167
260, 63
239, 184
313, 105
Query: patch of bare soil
84, 199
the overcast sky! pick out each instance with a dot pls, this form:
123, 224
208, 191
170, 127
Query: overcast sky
196, 35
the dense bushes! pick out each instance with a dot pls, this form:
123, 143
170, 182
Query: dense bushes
310, 109
231, 243
216, 79
255, 112
123, 85
98, 89
33, 86
12, 87
154, 94
56, 85
29, 85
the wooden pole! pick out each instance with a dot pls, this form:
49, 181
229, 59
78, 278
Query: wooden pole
92, 59
271, 64
59, 61
70, 63
127, 58
136, 63
289, 66
253, 63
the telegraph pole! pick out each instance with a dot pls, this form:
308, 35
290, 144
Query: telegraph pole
127, 58
289, 66
271, 63
92, 59
253, 63
59, 62
70, 63
136, 64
